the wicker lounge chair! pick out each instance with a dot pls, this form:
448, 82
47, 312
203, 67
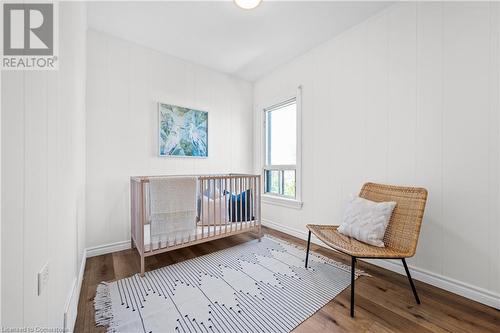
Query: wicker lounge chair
401, 235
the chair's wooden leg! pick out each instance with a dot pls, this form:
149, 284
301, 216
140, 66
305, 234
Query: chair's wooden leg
353, 275
411, 281
308, 246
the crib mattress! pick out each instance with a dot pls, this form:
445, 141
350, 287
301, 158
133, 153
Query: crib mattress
161, 241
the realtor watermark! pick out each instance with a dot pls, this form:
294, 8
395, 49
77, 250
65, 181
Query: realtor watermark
33, 329
29, 36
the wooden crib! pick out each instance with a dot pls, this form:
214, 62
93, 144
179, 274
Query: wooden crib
226, 205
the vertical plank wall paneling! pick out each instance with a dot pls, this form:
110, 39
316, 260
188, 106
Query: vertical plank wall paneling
465, 133
409, 96
43, 180
429, 125
12, 195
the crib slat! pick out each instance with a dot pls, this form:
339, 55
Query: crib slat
252, 194
231, 210
225, 206
220, 206
241, 202
256, 184
215, 210
247, 201
259, 203
219, 218
250, 202
209, 191
237, 204
208, 208
254, 199
202, 184
245, 204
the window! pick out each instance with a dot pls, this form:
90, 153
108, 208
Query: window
280, 166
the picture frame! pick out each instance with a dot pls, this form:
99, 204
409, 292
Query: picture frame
182, 131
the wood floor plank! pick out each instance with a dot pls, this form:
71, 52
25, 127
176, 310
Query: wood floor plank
125, 264
384, 302
100, 269
379, 328
82, 305
442, 315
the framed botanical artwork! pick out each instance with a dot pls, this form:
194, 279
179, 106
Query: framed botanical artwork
182, 131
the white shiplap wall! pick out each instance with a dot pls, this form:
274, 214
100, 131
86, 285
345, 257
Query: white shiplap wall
43, 160
124, 84
410, 96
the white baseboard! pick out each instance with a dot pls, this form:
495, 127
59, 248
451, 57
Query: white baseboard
71, 308
302, 234
457, 287
107, 248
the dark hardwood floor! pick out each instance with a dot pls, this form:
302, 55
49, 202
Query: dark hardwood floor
384, 302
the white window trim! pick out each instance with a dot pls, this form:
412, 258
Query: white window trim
272, 199
277, 200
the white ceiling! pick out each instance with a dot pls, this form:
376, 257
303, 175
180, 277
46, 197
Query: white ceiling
221, 36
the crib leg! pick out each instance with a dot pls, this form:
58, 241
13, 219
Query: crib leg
142, 266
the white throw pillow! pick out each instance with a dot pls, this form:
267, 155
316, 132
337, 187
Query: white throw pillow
218, 211
366, 220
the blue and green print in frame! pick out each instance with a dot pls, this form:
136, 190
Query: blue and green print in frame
182, 131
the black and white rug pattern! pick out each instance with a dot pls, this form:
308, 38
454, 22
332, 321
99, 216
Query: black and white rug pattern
252, 287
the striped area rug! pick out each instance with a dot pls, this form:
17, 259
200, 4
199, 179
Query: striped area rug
252, 287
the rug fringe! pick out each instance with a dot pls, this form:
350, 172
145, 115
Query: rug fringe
103, 307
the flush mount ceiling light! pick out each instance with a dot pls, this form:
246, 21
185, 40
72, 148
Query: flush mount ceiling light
247, 4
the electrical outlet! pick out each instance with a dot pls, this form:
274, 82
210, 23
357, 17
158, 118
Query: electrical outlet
43, 278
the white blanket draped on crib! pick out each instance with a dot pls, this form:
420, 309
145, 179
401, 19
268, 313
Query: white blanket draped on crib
172, 207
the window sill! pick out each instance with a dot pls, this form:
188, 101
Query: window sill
279, 201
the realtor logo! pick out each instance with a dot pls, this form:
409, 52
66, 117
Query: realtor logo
28, 36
